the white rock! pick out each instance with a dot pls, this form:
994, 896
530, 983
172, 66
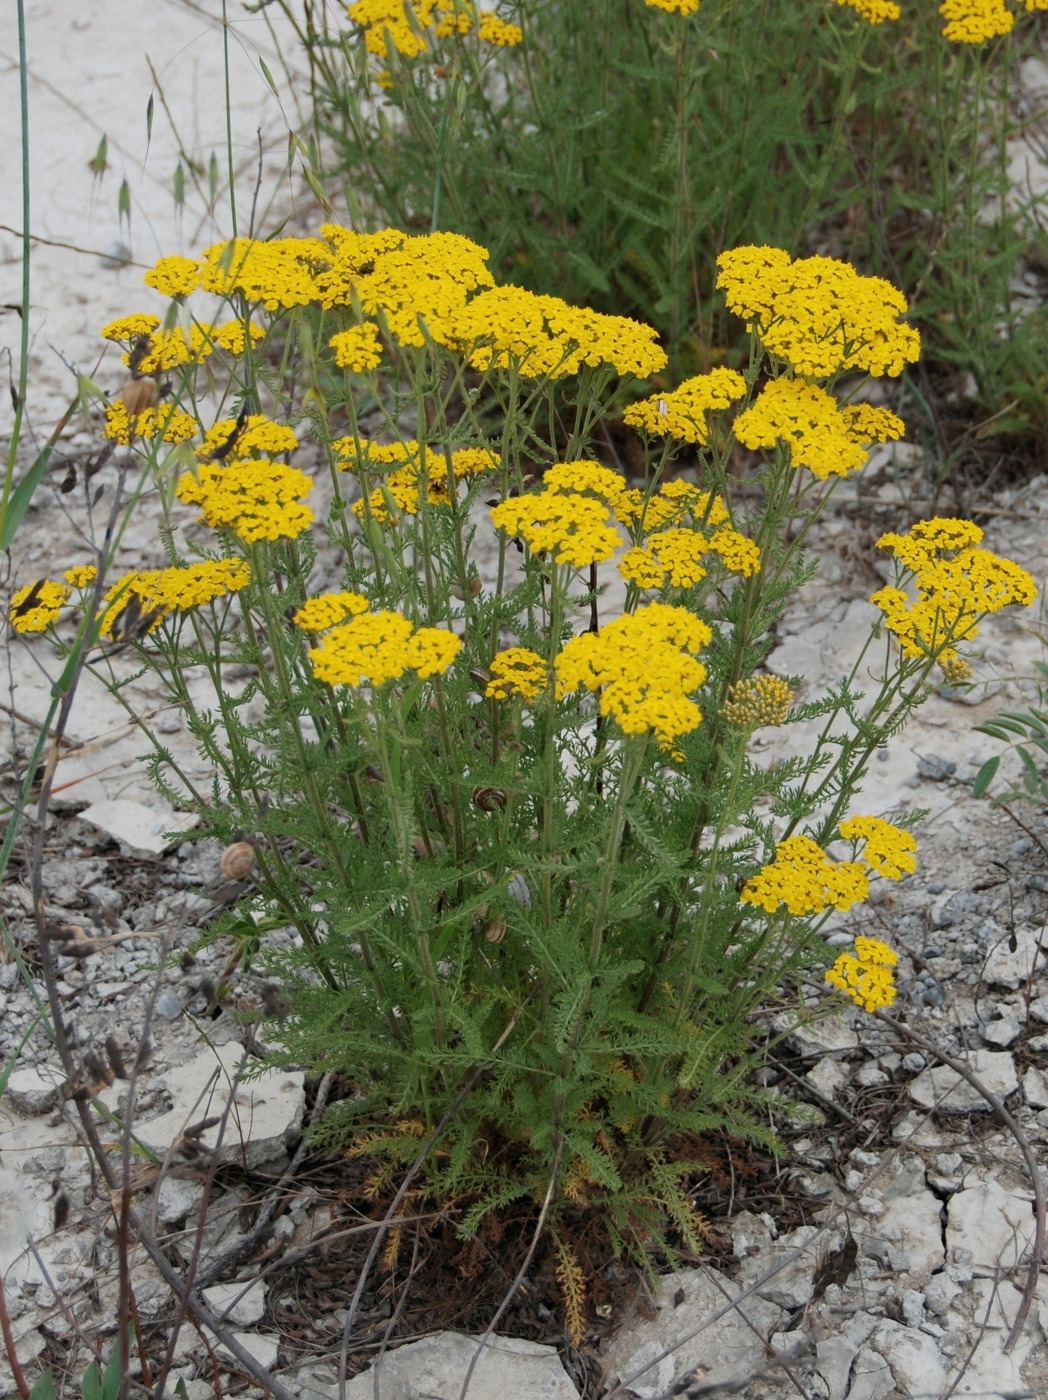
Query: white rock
261, 1349
1035, 1088
995, 1226
1039, 1011
828, 1077
177, 1198
266, 1111
725, 1349
992, 1373
136, 826
940, 1293
34, 1089
909, 1231
239, 1303
1005, 968
942, 1089
826, 1034
791, 1286
435, 1368
1004, 1031
914, 1358
871, 1376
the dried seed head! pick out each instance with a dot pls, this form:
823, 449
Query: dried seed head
238, 860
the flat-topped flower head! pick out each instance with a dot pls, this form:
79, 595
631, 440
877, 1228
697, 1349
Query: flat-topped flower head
164, 422
255, 435
541, 336
517, 672
804, 880
674, 557
645, 669
174, 276
377, 647
276, 275
328, 610
35, 606
818, 315
417, 287
820, 435
867, 974
682, 413
147, 596
957, 584
684, 8
874, 11
975, 21
357, 349
574, 529
888, 849
256, 499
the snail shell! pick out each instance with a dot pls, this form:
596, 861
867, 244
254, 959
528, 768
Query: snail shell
238, 860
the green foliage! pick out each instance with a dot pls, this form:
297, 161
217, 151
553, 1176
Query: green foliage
1026, 733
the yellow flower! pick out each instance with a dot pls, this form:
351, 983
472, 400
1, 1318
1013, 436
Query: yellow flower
34, 607
499, 32
128, 328
818, 315
358, 349
328, 609
756, 701
256, 433
889, 849
682, 413
233, 336
173, 276
675, 7
276, 274
644, 668
517, 671
804, 879
377, 647
166, 422
81, 575
573, 528
673, 557
975, 21
875, 11
819, 434
957, 584
150, 595
866, 975
258, 500
172, 349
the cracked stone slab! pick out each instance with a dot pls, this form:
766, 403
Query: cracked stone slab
434, 1368
688, 1325
942, 1089
988, 1227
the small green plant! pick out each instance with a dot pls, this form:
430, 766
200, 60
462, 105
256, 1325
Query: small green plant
488, 737
1026, 733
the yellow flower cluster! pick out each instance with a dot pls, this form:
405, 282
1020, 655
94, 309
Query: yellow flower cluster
328, 609
967, 21
644, 667
508, 327
957, 584
682, 413
174, 276
166, 422
866, 975
376, 647
676, 502
875, 11
35, 606
975, 21
257, 499
820, 435
402, 23
756, 701
159, 592
402, 488
234, 336
817, 314
889, 849
81, 575
674, 557
804, 879
675, 7
277, 273
358, 349
257, 434
517, 671
574, 529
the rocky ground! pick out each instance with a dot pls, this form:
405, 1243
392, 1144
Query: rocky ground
887, 1256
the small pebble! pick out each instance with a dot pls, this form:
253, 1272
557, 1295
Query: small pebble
168, 1005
